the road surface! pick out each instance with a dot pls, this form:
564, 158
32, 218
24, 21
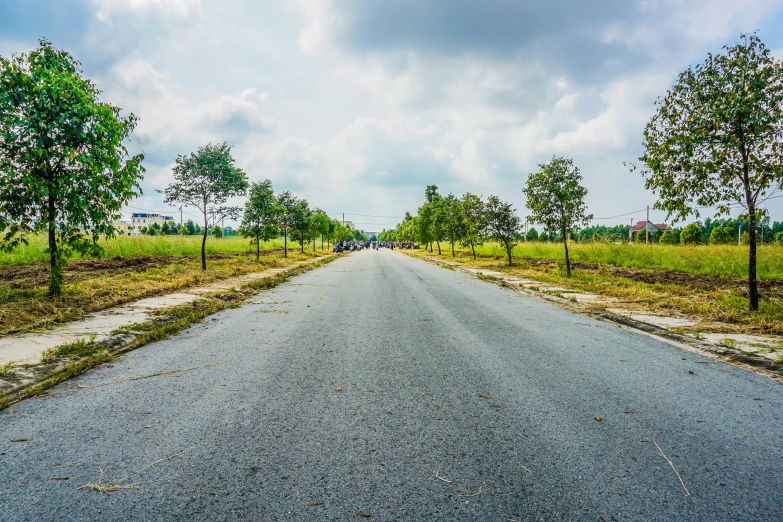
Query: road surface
460, 400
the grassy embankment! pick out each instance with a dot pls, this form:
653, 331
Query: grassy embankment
131, 268
708, 283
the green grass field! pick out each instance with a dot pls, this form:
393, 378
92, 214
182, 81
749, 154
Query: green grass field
141, 246
718, 261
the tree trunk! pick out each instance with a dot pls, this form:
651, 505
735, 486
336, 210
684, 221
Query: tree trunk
508, 251
55, 269
285, 242
452, 249
568, 261
438, 242
473, 248
753, 289
258, 248
204, 239
752, 284
430, 247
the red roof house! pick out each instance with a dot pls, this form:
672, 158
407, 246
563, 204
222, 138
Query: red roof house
652, 227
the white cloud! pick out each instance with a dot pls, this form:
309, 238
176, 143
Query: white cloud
107, 9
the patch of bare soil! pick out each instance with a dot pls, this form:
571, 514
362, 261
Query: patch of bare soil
32, 276
770, 288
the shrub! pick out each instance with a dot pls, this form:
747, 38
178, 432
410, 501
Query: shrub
722, 236
691, 235
668, 238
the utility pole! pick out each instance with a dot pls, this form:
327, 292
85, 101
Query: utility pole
630, 233
647, 227
343, 218
180, 216
739, 233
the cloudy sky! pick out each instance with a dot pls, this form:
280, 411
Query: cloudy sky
356, 105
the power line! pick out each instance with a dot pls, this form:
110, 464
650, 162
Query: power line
621, 215
368, 215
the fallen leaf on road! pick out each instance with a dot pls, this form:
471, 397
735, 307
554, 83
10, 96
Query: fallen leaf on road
363, 515
57, 478
690, 372
339, 388
597, 418
18, 440
315, 504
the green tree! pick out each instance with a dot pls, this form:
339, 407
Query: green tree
453, 223
722, 236
532, 235
555, 198
262, 214
206, 180
190, 227
64, 168
716, 138
503, 224
300, 223
217, 232
474, 219
153, 230
319, 224
691, 235
288, 203
165, 229
640, 237
668, 238
779, 238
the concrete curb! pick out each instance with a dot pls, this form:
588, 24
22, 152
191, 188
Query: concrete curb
17, 387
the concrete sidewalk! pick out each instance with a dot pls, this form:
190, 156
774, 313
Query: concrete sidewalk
27, 348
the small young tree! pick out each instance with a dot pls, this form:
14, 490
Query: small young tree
217, 232
556, 199
287, 203
64, 170
206, 180
716, 138
453, 222
320, 224
532, 235
503, 224
300, 223
262, 214
474, 218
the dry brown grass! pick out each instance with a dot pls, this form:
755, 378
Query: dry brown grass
24, 305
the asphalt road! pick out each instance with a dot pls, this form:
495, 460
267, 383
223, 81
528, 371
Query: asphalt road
440, 372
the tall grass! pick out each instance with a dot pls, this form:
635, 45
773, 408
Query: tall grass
712, 260
138, 246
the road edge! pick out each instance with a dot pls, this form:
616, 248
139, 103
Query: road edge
747, 361
40, 378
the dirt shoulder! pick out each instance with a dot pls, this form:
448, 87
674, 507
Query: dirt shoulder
95, 285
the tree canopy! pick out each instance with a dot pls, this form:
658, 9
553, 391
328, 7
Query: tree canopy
555, 198
262, 215
716, 138
207, 179
503, 224
64, 167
